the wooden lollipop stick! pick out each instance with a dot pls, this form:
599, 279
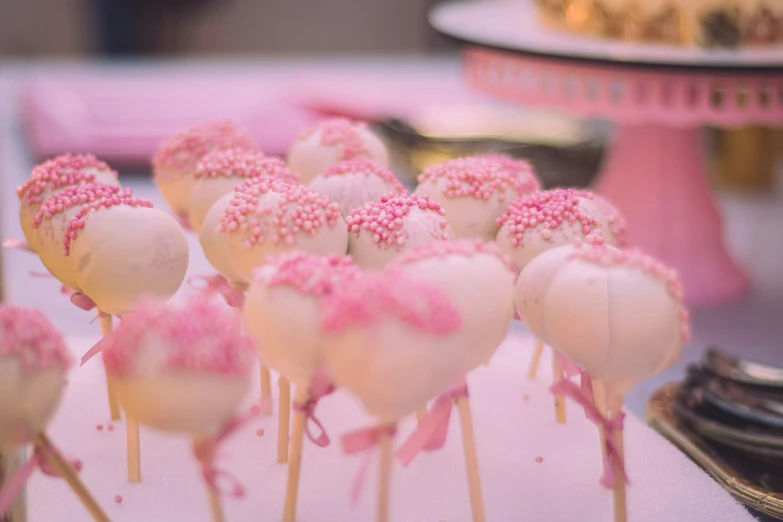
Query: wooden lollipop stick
215, 502
134, 449
295, 460
421, 413
557, 374
384, 475
539, 349
66, 471
620, 507
266, 391
599, 396
471, 459
114, 406
283, 419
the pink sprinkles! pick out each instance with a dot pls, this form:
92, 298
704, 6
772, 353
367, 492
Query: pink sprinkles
634, 258
340, 133
465, 248
29, 336
385, 218
184, 150
473, 177
62, 171
77, 222
372, 297
518, 168
77, 195
197, 337
314, 276
617, 224
242, 163
368, 168
298, 210
545, 211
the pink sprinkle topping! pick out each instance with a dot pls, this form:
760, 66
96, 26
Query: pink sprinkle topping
465, 248
342, 134
368, 168
617, 224
62, 171
314, 276
118, 499
240, 163
296, 210
78, 220
198, 337
473, 177
76, 195
184, 150
30, 337
634, 258
385, 218
518, 168
546, 210
373, 297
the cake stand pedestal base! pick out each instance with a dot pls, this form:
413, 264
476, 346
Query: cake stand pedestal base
656, 177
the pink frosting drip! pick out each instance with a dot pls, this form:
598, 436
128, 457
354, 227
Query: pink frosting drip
341, 133
520, 169
297, 210
473, 177
77, 195
198, 337
546, 210
242, 163
184, 150
373, 297
368, 168
29, 336
62, 171
385, 218
314, 276
617, 224
78, 221
634, 258
465, 248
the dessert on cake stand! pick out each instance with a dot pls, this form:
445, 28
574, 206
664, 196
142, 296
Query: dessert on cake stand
658, 96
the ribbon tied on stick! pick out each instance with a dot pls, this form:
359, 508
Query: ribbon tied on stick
217, 284
320, 387
364, 440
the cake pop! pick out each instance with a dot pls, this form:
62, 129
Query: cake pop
352, 183
517, 168
214, 244
219, 172
268, 217
383, 229
332, 141
473, 192
122, 249
52, 221
183, 369
53, 176
614, 220
174, 164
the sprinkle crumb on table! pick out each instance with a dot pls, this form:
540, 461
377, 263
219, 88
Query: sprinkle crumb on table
118, 499
260, 432
539, 459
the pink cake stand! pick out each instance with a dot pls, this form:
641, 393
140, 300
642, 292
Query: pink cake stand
658, 96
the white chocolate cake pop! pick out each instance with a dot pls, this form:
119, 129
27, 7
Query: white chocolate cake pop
53, 176
392, 340
618, 314
473, 192
479, 280
283, 311
268, 217
121, 250
218, 173
383, 229
517, 168
548, 219
214, 243
174, 164
180, 368
51, 224
615, 222
33, 362
330, 142
352, 183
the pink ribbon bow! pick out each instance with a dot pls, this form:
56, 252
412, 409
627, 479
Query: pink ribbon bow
184, 222
569, 367
430, 434
205, 452
364, 440
320, 387
217, 284
610, 425
16, 244
17, 481
79, 299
